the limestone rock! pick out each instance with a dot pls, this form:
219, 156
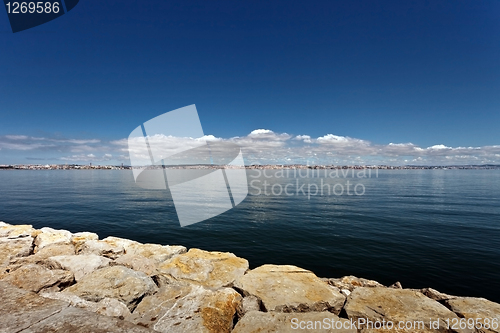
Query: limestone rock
79, 265
153, 306
21, 308
435, 295
351, 282
117, 282
267, 322
81, 237
377, 304
107, 306
43, 254
16, 231
26, 312
249, 303
289, 288
14, 248
345, 292
36, 277
100, 248
112, 308
137, 263
210, 269
121, 242
67, 297
158, 253
396, 285
185, 308
76, 320
111, 247
49, 236
471, 307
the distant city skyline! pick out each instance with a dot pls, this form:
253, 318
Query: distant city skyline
357, 82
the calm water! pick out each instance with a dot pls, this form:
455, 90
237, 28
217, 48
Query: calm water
425, 228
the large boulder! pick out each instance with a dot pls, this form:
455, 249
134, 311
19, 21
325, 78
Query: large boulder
267, 322
16, 231
477, 308
11, 249
210, 269
107, 306
137, 263
154, 306
36, 277
79, 265
26, 312
158, 253
184, 308
286, 288
48, 236
397, 305
111, 247
118, 282
42, 255
79, 238
100, 248
21, 308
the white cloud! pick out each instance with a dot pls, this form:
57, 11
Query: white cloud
259, 146
305, 138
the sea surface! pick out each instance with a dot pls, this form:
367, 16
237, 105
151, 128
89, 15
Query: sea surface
424, 228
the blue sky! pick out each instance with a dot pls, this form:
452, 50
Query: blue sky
415, 74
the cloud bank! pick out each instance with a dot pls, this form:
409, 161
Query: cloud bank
261, 146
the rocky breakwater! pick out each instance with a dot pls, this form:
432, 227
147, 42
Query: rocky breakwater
57, 281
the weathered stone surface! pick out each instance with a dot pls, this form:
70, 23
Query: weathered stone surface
435, 295
16, 231
101, 248
20, 309
396, 285
158, 253
137, 263
14, 248
36, 277
111, 247
268, 322
210, 269
471, 307
377, 304
108, 306
122, 242
48, 236
290, 289
42, 255
249, 303
152, 307
185, 308
112, 308
26, 312
117, 282
79, 265
76, 320
67, 297
351, 282
79, 238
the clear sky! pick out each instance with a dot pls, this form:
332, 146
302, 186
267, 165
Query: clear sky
348, 77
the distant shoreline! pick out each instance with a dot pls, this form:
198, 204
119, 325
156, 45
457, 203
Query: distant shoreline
263, 166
